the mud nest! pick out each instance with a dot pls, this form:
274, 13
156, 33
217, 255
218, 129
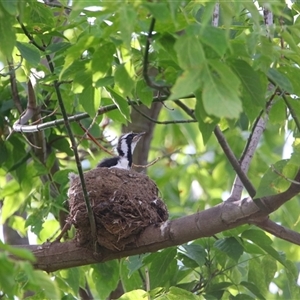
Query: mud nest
124, 203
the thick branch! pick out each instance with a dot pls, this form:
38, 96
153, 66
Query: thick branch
279, 230
227, 215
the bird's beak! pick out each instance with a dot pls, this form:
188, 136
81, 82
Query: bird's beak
138, 136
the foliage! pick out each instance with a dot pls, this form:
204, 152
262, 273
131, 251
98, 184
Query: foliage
225, 75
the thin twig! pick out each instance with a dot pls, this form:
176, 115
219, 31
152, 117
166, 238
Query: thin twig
292, 111
77, 159
148, 165
12, 68
148, 80
156, 121
30, 37
284, 177
251, 145
18, 126
233, 161
93, 139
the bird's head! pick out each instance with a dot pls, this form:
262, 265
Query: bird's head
127, 143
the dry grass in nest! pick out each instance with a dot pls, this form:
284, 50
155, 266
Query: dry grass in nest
124, 203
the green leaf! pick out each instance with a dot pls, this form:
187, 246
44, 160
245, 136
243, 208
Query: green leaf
144, 93
39, 14
196, 253
42, 281
72, 277
253, 289
134, 263
269, 266
86, 99
11, 6
250, 80
21, 253
264, 242
256, 275
61, 176
206, 123
292, 276
231, 247
124, 82
127, 19
219, 41
120, 102
7, 33
7, 281
160, 267
103, 271
102, 60
134, 295
189, 52
176, 293
187, 83
159, 10
273, 183
281, 80
29, 52
218, 99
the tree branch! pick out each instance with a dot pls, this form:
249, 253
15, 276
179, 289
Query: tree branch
227, 215
278, 230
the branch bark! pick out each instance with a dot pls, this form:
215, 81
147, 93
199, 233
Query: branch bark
227, 215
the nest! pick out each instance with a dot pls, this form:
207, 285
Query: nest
124, 203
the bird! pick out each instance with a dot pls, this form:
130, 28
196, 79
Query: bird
125, 148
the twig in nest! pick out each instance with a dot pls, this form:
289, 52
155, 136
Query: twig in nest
284, 177
148, 165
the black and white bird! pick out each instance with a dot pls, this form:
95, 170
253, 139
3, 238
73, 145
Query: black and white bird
125, 148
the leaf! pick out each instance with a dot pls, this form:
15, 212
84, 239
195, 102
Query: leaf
72, 277
187, 83
218, 99
21, 253
206, 123
219, 41
124, 82
250, 81
7, 281
134, 263
120, 102
256, 275
189, 52
102, 60
144, 93
42, 281
11, 6
7, 33
103, 271
159, 10
86, 99
196, 253
253, 289
281, 80
62, 176
272, 183
264, 242
134, 295
231, 247
160, 266
176, 293
127, 19
29, 52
